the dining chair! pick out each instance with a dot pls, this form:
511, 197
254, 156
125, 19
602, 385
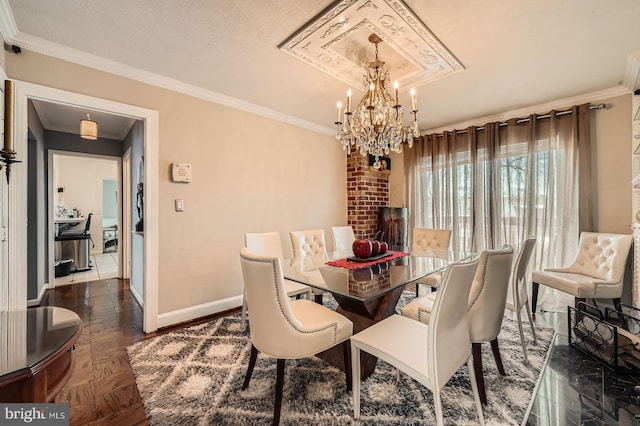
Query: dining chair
430, 354
596, 273
436, 239
486, 306
287, 329
268, 244
343, 237
309, 243
519, 292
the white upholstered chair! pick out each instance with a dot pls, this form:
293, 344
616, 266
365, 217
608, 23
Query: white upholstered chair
343, 238
486, 305
309, 243
268, 244
283, 328
519, 291
430, 354
596, 273
435, 239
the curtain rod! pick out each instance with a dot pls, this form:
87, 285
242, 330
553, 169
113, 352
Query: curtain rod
525, 120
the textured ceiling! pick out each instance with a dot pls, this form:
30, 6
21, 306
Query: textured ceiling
514, 54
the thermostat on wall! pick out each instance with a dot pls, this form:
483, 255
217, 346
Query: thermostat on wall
181, 172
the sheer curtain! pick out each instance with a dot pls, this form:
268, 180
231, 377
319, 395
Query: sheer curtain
503, 182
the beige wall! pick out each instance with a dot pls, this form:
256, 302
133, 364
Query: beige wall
611, 163
250, 174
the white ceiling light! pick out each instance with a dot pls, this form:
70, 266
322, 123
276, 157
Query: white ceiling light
88, 128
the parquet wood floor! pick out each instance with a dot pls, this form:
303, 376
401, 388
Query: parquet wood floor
102, 389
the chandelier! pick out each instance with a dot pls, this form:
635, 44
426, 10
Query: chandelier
376, 126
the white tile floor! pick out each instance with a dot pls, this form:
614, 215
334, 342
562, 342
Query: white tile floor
104, 266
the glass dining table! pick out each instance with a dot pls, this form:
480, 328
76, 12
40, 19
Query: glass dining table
366, 293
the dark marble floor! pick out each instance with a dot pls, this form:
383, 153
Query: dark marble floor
575, 389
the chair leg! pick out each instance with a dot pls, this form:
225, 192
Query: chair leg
496, 354
524, 346
355, 378
616, 304
438, 403
534, 298
476, 350
346, 353
279, 386
474, 387
252, 363
417, 290
533, 329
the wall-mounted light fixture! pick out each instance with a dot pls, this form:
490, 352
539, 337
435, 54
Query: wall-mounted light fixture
8, 155
88, 128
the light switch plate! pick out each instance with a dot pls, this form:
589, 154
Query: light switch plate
179, 205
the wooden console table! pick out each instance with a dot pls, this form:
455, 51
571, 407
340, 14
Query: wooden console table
37, 352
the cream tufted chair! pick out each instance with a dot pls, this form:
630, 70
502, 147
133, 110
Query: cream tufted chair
486, 305
596, 273
309, 243
286, 329
268, 244
430, 354
343, 237
519, 291
435, 239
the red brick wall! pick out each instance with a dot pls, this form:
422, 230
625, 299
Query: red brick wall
366, 192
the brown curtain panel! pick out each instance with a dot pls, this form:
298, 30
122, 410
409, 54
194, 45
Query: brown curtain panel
503, 182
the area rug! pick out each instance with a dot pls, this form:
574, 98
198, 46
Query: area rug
194, 377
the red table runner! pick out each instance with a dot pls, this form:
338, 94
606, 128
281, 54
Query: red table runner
349, 264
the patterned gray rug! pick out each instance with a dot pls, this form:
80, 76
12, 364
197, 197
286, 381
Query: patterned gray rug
193, 377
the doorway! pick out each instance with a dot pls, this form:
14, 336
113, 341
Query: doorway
85, 186
16, 261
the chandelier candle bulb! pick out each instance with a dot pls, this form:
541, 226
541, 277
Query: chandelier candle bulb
339, 111
395, 86
349, 100
414, 102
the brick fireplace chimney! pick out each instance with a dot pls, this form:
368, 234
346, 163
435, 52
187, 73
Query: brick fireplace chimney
367, 191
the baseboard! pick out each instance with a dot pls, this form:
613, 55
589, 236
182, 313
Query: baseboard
198, 311
136, 296
36, 302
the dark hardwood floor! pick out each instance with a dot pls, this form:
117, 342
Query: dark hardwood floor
102, 389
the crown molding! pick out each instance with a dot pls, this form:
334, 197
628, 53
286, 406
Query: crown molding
533, 109
38, 45
8, 26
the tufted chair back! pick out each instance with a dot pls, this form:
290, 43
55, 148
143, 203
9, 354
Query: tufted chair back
308, 243
488, 294
275, 330
437, 239
602, 256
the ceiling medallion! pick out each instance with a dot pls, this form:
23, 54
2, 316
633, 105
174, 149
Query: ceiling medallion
336, 42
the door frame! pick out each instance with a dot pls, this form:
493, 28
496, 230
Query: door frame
17, 192
124, 238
